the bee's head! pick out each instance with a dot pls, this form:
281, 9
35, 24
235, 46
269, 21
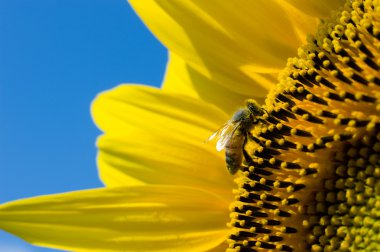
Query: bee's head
254, 107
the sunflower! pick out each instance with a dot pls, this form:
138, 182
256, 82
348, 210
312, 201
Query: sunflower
309, 179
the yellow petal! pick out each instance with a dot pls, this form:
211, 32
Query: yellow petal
317, 8
158, 138
147, 218
181, 78
130, 107
134, 157
221, 248
229, 43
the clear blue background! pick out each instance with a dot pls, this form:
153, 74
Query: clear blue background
55, 56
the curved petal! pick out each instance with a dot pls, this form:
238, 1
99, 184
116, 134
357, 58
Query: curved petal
147, 218
317, 8
133, 158
221, 248
181, 78
129, 107
229, 41
153, 137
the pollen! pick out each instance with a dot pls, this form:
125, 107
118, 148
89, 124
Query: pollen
310, 179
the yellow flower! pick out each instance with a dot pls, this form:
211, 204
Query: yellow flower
223, 53
310, 176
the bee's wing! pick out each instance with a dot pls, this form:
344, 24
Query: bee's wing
226, 134
216, 133
220, 133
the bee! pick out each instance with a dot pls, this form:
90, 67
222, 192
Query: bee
232, 136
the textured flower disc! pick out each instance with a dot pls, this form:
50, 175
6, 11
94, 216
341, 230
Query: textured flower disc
311, 176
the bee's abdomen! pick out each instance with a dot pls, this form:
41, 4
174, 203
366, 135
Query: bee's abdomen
234, 153
233, 162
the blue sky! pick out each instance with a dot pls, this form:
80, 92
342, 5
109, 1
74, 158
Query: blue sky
55, 56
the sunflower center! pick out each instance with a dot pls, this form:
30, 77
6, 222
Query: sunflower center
311, 175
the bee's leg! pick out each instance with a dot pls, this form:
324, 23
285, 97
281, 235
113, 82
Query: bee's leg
262, 120
247, 157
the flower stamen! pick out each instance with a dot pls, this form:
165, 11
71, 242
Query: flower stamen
311, 175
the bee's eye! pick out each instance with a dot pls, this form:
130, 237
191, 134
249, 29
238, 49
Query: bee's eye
254, 109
